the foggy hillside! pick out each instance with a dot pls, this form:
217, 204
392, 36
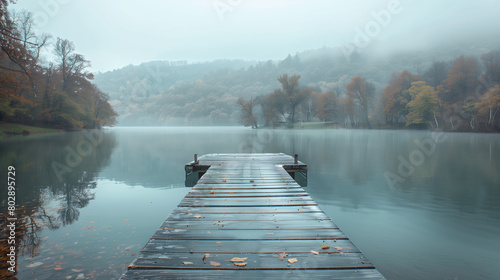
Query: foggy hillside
205, 93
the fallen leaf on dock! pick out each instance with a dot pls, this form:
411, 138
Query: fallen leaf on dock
216, 264
283, 255
236, 259
325, 247
240, 264
338, 248
197, 216
314, 252
212, 192
124, 221
187, 263
294, 260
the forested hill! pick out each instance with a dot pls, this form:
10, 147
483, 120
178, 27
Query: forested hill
55, 93
181, 93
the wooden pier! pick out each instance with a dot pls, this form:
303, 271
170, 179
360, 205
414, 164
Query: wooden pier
247, 218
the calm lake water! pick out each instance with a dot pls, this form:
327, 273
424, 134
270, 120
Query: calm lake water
419, 205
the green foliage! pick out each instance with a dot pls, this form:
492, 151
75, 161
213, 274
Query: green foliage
425, 105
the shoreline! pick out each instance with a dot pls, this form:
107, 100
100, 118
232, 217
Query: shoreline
14, 129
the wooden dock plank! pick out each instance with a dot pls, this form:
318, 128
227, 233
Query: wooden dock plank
250, 247
248, 234
206, 224
248, 206
254, 274
259, 261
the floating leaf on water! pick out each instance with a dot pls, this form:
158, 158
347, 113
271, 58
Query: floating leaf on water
57, 268
80, 276
58, 263
216, 264
77, 270
314, 252
240, 264
124, 221
35, 264
187, 263
325, 247
236, 259
294, 260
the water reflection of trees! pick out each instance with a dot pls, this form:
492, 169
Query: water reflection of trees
43, 201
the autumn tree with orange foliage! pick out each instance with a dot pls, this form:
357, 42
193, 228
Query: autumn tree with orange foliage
326, 106
461, 80
396, 96
59, 96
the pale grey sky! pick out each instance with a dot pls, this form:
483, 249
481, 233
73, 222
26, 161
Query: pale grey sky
115, 33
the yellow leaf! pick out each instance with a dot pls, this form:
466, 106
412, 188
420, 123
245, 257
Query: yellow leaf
294, 260
197, 216
236, 259
240, 264
216, 264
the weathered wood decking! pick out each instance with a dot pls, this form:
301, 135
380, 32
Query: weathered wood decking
248, 206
